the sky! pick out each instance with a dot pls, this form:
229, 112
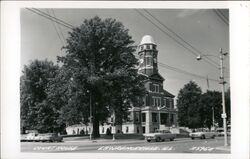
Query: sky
202, 29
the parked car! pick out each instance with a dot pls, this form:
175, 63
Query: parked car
220, 132
202, 134
50, 137
31, 136
159, 135
23, 137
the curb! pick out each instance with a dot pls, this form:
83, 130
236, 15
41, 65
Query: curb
224, 148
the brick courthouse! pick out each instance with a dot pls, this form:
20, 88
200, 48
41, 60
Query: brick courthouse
157, 111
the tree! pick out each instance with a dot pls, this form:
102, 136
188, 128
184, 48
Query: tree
36, 112
99, 59
211, 103
189, 107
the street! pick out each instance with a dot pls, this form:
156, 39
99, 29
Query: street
179, 145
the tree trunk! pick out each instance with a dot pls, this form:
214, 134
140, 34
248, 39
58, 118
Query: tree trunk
96, 133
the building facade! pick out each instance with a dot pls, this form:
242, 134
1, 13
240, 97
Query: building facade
157, 111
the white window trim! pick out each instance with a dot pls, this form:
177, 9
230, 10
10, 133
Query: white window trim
158, 99
156, 85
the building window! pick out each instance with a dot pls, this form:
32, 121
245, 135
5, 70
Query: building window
137, 117
138, 130
149, 61
155, 60
143, 129
164, 118
141, 48
143, 117
171, 103
172, 119
154, 117
156, 101
156, 88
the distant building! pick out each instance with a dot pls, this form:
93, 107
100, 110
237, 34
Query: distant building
157, 111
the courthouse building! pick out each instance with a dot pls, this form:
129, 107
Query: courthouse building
157, 111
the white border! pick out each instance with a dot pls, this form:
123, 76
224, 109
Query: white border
10, 73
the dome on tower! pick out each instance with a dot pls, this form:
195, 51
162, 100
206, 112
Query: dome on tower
147, 39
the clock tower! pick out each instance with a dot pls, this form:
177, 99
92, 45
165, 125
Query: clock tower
148, 56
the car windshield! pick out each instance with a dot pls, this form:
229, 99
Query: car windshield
162, 131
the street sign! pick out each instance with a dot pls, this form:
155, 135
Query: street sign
224, 115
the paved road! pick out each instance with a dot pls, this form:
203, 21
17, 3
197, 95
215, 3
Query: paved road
182, 145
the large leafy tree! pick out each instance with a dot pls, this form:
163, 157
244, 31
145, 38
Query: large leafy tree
36, 112
99, 61
189, 107
211, 104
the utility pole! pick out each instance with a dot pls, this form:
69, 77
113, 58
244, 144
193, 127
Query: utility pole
222, 82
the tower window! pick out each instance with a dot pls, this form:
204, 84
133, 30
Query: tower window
149, 61
141, 48
147, 47
154, 47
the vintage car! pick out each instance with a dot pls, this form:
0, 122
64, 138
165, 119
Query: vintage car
220, 132
202, 134
31, 136
159, 135
50, 137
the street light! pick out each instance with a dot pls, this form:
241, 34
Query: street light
222, 82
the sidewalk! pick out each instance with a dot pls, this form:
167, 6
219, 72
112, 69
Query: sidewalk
224, 148
86, 140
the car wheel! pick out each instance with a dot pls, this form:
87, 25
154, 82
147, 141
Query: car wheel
158, 139
203, 137
148, 140
213, 137
171, 139
192, 138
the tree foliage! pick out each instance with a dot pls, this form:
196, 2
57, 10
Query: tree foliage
195, 110
36, 112
211, 103
99, 59
189, 107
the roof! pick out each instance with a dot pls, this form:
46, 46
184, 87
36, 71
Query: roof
166, 93
147, 39
156, 76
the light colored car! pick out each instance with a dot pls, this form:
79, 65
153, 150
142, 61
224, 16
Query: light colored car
50, 137
202, 134
159, 135
31, 137
220, 132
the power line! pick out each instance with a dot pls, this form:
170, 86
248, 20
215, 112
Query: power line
54, 18
162, 64
60, 29
191, 51
221, 16
169, 29
53, 23
49, 17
